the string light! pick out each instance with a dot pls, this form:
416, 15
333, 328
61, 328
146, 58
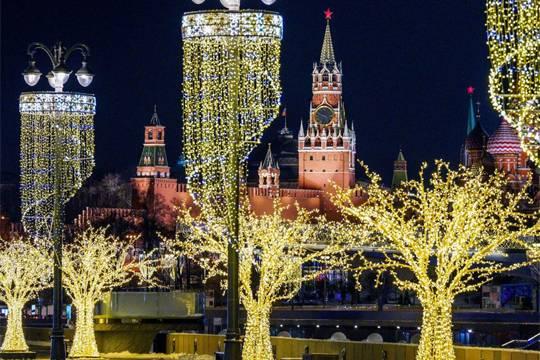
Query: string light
271, 251
53, 124
25, 270
93, 265
227, 56
443, 231
513, 38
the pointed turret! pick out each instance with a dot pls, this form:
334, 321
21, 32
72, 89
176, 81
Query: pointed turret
301, 132
327, 52
269, 171
269, 158
471, 119
155, 118
400, 170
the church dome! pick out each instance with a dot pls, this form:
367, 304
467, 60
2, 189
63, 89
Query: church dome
477, 138
504, 141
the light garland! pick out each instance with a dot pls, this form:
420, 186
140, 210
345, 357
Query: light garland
513, 38
92, 265
228, 57
271, 250
443, 231
53, 124
25, 270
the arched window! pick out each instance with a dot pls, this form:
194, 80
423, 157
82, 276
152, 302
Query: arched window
323, 158
159, 135
311, 158
150, 135
339, 142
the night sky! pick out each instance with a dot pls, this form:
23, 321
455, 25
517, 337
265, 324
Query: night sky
406, 66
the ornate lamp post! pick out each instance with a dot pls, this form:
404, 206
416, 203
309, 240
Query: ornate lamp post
231, 93
57, 155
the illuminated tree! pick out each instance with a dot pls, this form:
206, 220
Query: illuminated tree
94, 264
271, 251
514, 51
25, 270
447, 232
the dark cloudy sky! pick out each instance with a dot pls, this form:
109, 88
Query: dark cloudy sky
406, 66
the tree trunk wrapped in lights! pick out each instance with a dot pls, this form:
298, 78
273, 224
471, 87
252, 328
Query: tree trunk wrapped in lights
514, 50
94, 264
271, 250
25, 270
53, 125
450, 233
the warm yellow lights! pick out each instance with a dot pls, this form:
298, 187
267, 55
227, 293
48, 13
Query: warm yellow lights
445, 232
53, 125
513, 29
25, 270
271, 252
92, 265
231, 93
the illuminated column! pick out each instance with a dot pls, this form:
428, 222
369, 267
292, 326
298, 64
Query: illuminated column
53, 123
514, 49
231, 93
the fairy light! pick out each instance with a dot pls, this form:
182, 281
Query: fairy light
513, 38
25, 270
271, 251
94, 264
53, 123
444, 231
225, 51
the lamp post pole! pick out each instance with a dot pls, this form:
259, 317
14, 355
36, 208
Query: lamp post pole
57, 77
234, 168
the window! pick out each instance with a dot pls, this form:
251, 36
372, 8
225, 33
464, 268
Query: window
150, 135
323, 158
311, 158
159, 135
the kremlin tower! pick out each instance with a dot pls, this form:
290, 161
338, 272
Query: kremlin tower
400, 170
153, 161
269, 172
326, 148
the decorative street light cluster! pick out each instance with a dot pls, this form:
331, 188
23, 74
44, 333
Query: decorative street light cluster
234, 4
57, 155
59, 75
231, 93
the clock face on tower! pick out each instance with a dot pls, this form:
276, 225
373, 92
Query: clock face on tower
324, 115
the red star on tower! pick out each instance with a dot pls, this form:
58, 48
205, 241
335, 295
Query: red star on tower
328, 14
470, 90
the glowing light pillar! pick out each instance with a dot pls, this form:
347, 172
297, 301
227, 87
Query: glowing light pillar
57, 155
231, 93
513, 39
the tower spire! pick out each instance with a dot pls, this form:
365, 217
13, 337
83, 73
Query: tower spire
327, 52
471, 118
155, 118
301, 132
400, 170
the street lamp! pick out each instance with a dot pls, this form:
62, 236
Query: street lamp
231, 93
59, 75
57, 155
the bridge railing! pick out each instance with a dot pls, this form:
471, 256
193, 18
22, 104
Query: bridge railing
294, 348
